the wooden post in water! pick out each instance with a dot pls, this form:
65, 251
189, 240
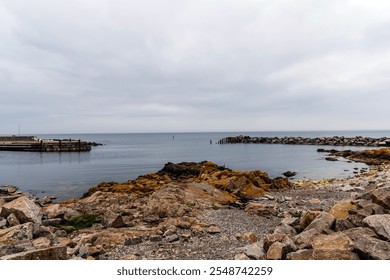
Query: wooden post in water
60, 145
79, 145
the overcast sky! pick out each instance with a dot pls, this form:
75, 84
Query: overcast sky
204, 65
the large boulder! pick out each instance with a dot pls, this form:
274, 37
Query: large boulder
341, 209
59, 211
382, 197
334, 241
307, 218
279, 250
255, 251
380, 224
324, 221
25, 210
367, 244
305, 238
111, 219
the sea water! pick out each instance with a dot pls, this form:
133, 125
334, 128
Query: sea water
126, 156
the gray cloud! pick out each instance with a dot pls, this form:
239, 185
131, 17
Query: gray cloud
123, 66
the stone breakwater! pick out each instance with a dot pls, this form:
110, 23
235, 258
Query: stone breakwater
204, 211
329, 141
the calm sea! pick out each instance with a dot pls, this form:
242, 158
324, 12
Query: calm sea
126, 156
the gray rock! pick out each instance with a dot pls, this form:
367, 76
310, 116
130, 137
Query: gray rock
42, 231
374, 209
371, 248
173, 238
343, 224
284, 229
380, 224
155, 238
356, 217
12, 220
241, 257
306, 254
11, 249
354, 233
59, 211
305, 238
255, 251
4, 212
52, 253
112, 220
133, 240
290, 222
367, 244
322, 222
50, 222
382, 197
169, 232
15, 234
3, 223
25, 209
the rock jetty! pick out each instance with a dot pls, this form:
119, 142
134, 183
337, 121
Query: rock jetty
329, 141
205, 211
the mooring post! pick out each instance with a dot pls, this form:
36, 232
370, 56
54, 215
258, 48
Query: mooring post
79, 145
60, 145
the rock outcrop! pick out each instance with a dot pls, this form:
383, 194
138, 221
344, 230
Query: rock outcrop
371, 157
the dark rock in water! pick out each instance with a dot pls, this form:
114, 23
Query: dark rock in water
188, 169
289, 173
331, 159
94, 144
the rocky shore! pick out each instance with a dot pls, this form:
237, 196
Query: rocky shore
328, 141
205, 211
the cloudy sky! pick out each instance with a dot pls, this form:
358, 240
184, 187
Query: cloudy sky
202, 65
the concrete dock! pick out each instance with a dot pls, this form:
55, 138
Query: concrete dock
34, 144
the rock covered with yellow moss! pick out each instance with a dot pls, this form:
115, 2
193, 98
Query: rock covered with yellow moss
242, 185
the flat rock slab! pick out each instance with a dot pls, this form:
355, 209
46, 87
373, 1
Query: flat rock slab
52, 253
331, 242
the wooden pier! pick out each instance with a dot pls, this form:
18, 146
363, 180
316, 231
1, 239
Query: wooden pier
33, 144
